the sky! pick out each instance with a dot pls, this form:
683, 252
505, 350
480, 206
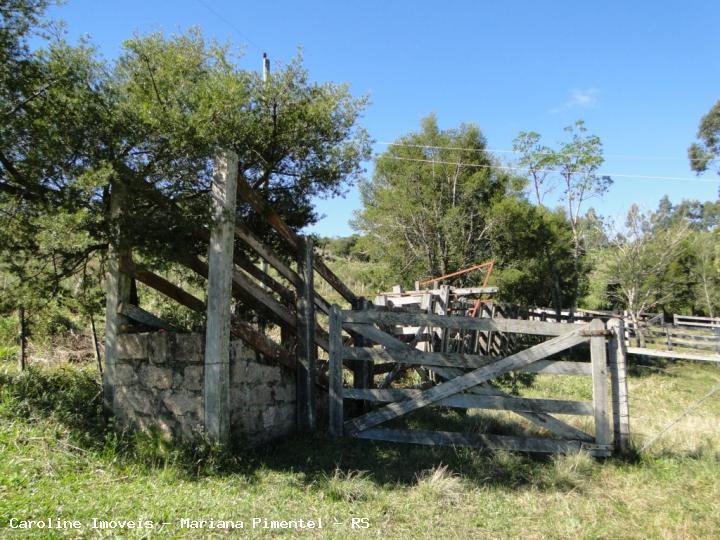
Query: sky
640, 73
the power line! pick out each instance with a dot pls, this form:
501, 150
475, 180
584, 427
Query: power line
230, 24
523, 169
503, 151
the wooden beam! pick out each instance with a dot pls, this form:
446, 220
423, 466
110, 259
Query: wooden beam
466, 381
263, 344
462, 323
306, 348
163, 286
416, 357
216, 387
673, 354
145, 317
248, 266
335, 388
617, 361
598, 359
491, 442
472, 401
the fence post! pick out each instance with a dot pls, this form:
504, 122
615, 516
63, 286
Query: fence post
22, 339
362, 370
335, 390
118, 288
216, 389
617, 357
306, 349
599, 380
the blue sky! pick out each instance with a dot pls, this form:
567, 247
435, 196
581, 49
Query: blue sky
640, 73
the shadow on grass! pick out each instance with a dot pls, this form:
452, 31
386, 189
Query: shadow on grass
72, 398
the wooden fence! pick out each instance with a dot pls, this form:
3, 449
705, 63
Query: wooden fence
464, 380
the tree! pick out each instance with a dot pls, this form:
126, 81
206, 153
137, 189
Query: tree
705, 153
635, 267
426, 210
574, 167
150, 123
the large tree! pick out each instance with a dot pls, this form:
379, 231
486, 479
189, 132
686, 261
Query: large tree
75, 127
426, 210
704, 154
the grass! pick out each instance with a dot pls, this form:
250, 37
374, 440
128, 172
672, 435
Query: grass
60, 457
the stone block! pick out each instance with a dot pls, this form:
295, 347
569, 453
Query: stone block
158, 347
132, 346
156, 377
182, 402
193, 378
284, 393
128, 400
189, 348
124, 375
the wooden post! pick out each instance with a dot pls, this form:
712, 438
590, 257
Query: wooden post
618, 377
335, 390
306, 349
22, 339
362, 370
216, 390
96, 344
119, 286
600, 386
444, 309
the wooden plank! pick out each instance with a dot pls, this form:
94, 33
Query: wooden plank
162, 285
468, 380
542, 420
598, 359
545, 421
491, 442
306, 349
145, 317
263, 344
472, 401
263, 277
416, 357
673, 354
468, 361
246, 235
617, 363
335, 387
362, 371
216, 387
462, 323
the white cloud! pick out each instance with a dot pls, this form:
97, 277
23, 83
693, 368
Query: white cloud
579, 99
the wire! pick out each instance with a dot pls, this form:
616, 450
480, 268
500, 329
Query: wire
523, 169
230, 24
499, 151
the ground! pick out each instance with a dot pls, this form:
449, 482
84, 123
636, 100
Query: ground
59, 458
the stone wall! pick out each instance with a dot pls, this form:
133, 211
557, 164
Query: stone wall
158, 383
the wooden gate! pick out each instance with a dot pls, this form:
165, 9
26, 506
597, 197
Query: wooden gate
464, 381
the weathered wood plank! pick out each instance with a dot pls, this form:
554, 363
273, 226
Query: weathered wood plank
472, 401
263, 344
617, 363
462, 323
263, 277
598, 359
216, 387
163, 286
557, 367
335, 387
673, 354
491, 442
307, 350
145, 317
542, 420
468, 380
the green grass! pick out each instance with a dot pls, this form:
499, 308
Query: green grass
60, 457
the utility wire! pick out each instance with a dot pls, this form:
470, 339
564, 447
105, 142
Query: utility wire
683, 415
502, 151
524, 169
230, 24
